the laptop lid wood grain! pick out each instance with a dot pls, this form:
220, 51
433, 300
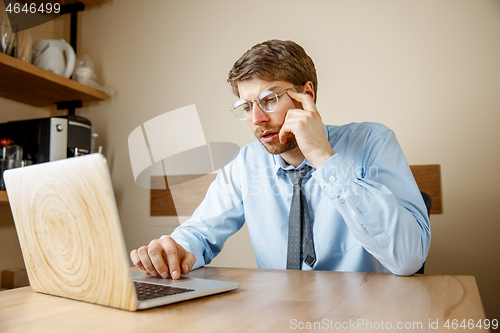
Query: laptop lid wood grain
67, 223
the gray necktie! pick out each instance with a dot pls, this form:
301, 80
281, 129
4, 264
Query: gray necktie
299, 225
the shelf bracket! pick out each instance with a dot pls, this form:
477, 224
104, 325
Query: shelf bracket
70, 106
73, 9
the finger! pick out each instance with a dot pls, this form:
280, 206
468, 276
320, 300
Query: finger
143, 255
188, 261
287, 128
172, 255
136, 260
155, 252
285, 132
306, 100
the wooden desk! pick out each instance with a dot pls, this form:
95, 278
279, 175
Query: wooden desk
268, 301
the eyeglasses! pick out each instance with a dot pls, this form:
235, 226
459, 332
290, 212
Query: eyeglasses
267, 101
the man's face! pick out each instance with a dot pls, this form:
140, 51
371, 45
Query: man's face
266, 125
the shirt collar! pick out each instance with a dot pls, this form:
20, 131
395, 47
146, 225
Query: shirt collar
281, 166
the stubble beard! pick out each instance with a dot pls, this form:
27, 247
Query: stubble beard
276, 147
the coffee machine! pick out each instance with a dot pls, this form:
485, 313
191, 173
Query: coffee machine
50, 139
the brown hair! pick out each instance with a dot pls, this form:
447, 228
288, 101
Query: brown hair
274, 60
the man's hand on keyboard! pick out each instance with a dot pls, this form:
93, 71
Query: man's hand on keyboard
163, 257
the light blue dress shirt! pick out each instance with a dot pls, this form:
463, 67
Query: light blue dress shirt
366, 210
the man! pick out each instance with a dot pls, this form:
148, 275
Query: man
313, 196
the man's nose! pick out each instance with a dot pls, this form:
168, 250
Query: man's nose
258, 116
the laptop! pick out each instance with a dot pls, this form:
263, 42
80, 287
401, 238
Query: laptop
72, 243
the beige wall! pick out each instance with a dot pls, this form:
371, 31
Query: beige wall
429, 70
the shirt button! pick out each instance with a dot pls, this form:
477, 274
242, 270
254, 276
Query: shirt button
332, 178
322, 185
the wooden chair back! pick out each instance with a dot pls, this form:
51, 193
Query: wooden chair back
188, 191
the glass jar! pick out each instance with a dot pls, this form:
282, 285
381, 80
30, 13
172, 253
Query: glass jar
11, 156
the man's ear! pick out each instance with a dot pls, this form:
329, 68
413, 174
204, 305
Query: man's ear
308, 88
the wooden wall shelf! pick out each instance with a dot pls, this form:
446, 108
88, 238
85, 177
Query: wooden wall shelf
33, 85
3, 197
85, 2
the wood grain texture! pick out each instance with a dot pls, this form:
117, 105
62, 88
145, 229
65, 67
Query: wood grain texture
68, 230
428, 178
266, 302
33, 85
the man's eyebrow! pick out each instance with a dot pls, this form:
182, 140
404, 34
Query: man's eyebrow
269, 88
272, 87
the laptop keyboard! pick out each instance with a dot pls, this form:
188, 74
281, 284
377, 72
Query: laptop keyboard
149, 291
